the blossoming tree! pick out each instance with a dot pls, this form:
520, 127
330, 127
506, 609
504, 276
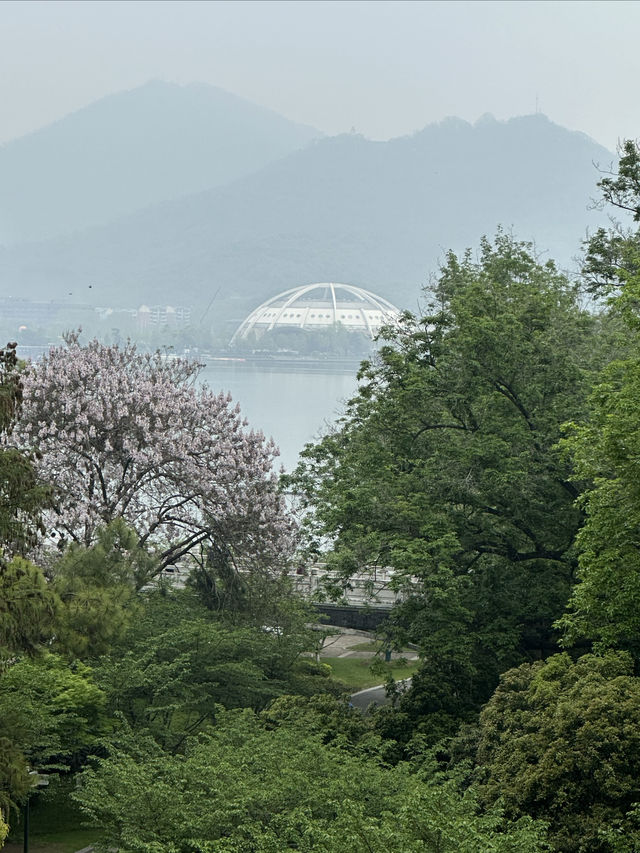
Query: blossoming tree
121, 434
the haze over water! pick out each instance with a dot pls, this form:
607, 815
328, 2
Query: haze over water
292, 407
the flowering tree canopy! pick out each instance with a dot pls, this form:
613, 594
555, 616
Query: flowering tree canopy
127, 435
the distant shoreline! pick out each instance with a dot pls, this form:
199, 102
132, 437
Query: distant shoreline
278, 363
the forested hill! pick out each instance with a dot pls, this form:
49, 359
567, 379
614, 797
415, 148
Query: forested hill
132, 149
377, 214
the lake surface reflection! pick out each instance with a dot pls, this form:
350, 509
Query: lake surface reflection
291, 406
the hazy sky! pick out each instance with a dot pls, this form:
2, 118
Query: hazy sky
385, 68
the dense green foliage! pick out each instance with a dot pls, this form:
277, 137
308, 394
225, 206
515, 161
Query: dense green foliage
28, 608
52, 711
242, 787
490, 459
97, 587
178, 663
605, 606
561, 741
446, 469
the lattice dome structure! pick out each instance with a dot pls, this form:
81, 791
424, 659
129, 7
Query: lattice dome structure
320, 306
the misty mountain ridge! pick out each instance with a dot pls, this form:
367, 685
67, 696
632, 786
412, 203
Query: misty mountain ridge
132, 149
375, 214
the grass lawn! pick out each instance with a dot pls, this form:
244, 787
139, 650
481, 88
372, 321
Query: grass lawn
375, 646
54, 842
370, 646
356, 672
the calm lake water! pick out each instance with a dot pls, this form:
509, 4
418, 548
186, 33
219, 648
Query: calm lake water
290, 406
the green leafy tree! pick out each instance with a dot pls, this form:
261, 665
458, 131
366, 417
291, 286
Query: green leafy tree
330, 717
178, 662
28, 612
48, 713
605, 605
445, 468
51, 712
51, 716
623, 836
98, 587
244, 597
245, 789
561, 741
612, 255
27, 606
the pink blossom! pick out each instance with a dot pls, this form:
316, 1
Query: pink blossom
129, 435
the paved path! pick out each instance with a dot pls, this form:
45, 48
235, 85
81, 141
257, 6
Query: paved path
341, 645
375, 695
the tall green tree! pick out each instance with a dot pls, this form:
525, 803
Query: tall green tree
15, 782
612, 255
51, 716
445, 468
605, 604
4, 830
27, 606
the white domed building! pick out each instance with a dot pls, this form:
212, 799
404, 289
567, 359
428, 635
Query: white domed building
315, 307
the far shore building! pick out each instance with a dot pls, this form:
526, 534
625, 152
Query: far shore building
317, 307
158, 316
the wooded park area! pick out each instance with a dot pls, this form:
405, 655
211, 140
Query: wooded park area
491, 458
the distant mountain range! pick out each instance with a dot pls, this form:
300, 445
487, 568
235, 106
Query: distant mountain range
376, 214
132, 149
